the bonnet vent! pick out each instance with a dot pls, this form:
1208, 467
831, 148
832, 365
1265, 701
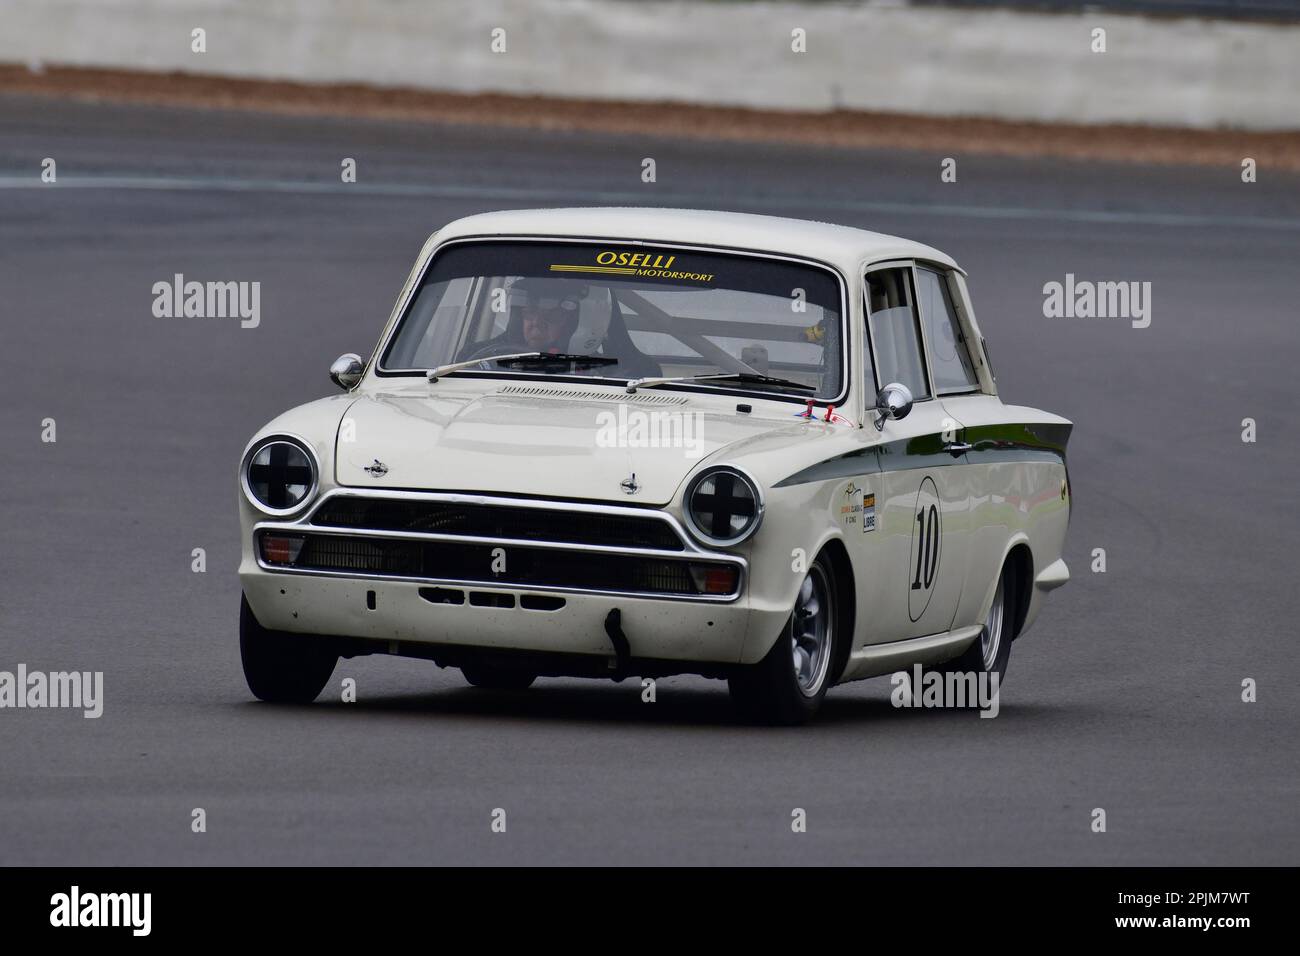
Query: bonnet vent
578, 394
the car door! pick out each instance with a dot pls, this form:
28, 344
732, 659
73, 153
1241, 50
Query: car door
925, 510
1015, 464
954, 360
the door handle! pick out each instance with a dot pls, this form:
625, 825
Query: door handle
957, 448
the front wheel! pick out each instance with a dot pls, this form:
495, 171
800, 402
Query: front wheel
280, 667
788, 685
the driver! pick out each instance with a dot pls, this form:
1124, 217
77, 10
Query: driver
548, 320
545, 316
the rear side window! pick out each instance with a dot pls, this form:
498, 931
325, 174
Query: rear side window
949, 358
895, 334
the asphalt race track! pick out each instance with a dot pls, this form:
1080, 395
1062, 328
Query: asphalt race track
1125, 696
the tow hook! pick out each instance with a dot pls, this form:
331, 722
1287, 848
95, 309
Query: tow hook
622, 649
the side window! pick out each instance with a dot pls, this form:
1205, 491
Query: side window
895, 335
949, 358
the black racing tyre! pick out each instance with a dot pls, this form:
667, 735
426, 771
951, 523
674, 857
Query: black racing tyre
280, 667
788, 685
991, 651
497, 678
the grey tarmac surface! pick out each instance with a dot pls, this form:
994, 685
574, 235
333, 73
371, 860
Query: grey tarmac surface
1124, 696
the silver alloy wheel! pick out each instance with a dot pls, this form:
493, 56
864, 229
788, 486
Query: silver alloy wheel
991, 638
811, 631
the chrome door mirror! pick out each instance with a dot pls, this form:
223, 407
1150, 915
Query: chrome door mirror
893, 402
347, 370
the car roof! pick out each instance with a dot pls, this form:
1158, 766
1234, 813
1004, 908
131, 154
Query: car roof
842, 246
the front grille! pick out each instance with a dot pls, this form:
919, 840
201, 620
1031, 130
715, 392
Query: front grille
497, 521
524, 567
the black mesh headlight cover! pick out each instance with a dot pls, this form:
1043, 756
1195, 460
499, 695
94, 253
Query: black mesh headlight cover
280, 475
723, 506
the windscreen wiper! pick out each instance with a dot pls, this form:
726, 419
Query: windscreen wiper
541, 358
558, 358
745, 378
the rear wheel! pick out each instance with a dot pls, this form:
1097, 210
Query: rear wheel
991, 651
281, 667
788, 685
497, 678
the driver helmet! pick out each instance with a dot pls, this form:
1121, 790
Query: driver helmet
548, 294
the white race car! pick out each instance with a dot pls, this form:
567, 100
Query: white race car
641, 442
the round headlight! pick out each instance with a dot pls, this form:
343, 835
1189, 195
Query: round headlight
279, 476
723, 506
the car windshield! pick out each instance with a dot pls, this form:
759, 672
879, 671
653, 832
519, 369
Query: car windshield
656, 311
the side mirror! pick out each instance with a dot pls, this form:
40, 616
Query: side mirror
347, 370
893, 402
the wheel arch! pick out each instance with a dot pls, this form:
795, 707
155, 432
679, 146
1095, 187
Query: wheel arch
1020, 559
845, 604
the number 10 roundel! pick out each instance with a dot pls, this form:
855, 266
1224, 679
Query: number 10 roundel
927, 538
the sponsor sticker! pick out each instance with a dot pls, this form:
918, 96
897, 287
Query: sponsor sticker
639, 264
851, 506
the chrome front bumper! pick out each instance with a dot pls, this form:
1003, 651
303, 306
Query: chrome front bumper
471, 608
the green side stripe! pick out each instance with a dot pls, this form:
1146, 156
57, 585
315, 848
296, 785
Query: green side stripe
991, 443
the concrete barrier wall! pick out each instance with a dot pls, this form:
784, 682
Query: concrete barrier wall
928, 61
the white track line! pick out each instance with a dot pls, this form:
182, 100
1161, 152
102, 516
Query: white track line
608, 197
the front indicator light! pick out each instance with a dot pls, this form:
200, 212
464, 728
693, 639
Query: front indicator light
715, 579
280, 549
